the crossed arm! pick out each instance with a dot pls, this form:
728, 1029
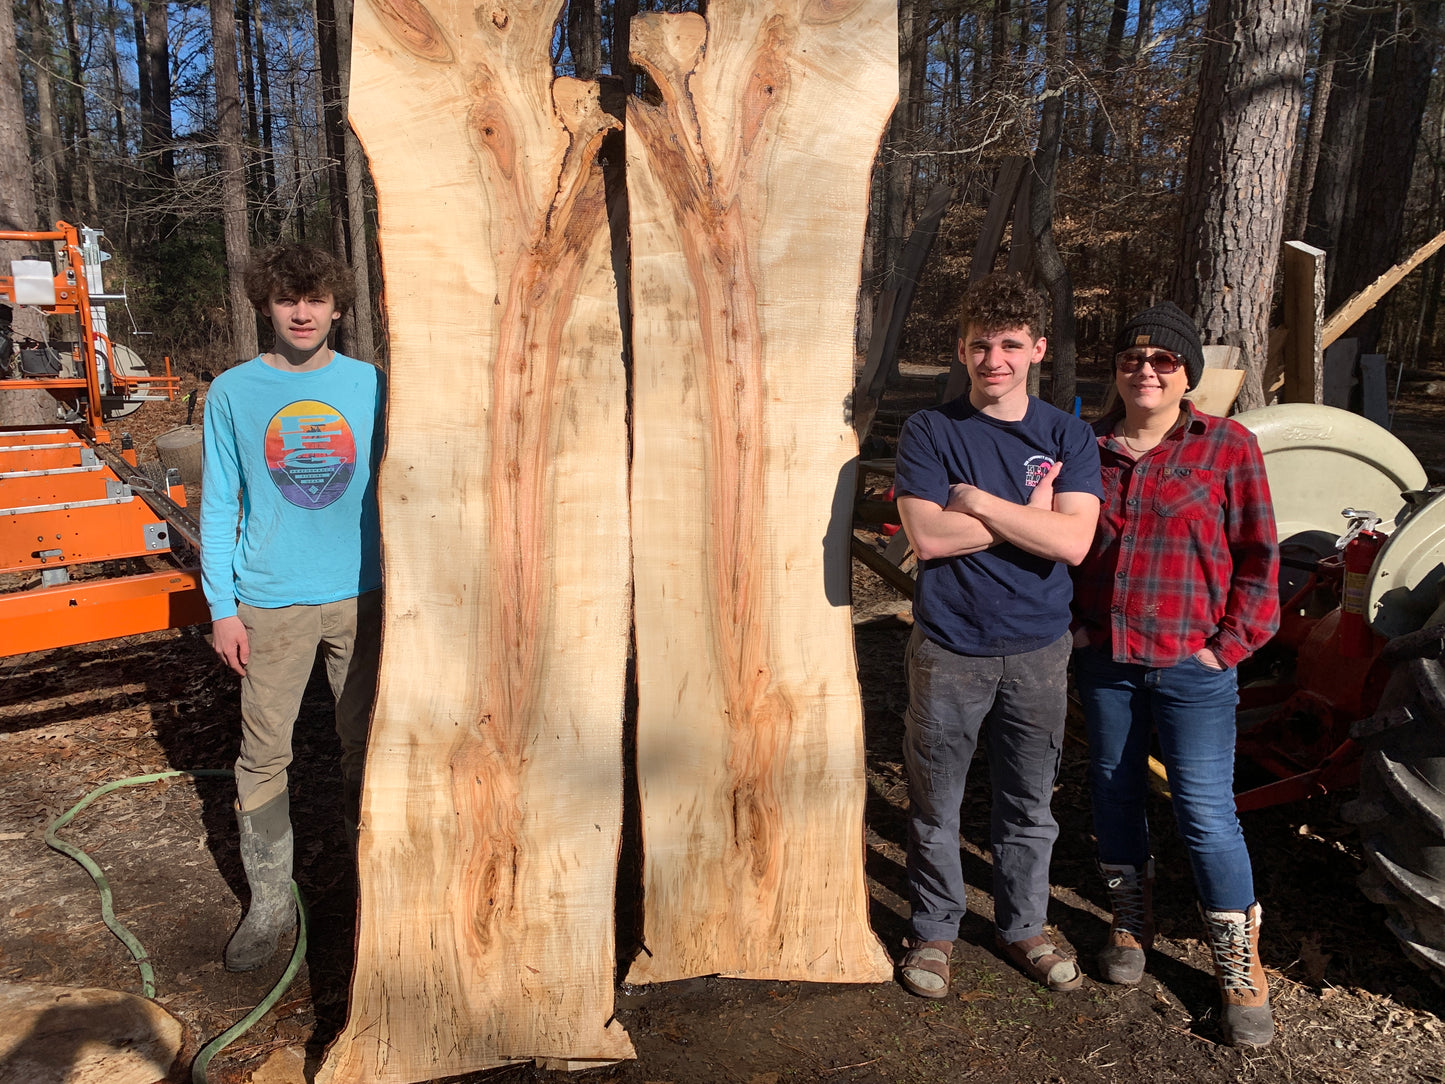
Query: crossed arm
1057, 527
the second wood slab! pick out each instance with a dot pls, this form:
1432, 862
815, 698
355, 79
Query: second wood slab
748, 187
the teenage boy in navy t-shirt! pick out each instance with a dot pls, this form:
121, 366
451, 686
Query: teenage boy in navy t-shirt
998, 491
290, 557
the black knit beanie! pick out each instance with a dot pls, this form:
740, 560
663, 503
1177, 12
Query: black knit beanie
1167, 327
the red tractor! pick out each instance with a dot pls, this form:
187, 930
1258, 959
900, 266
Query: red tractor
1352, 689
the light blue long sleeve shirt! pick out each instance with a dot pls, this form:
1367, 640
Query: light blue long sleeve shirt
288, 504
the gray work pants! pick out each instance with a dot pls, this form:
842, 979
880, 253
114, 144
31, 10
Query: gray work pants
1022, 699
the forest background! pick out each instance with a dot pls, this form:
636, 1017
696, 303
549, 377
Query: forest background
1171, 145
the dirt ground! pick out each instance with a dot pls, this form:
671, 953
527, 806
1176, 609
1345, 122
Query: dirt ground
1349, 1006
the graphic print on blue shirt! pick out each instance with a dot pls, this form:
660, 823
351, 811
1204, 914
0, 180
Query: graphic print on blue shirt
310, 453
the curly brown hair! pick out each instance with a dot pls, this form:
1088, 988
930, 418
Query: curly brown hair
289, 268
999, 302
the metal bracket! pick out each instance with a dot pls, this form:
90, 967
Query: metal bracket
1359, 523
157, 536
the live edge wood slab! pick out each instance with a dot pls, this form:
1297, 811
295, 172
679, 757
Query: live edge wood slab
493, 797
748, 194
489, 833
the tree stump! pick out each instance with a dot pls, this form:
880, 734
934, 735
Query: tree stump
748, 187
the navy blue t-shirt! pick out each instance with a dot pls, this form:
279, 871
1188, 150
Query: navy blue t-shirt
1002, 600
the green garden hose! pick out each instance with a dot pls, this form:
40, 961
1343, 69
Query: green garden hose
137, 950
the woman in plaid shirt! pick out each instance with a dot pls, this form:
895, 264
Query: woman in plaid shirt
1178, 589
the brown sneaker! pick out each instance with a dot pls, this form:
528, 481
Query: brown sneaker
1234, 943
1131, 932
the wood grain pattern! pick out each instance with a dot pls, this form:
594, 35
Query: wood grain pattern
748, 188
491, 812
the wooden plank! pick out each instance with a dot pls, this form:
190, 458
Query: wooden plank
490, 818
1374, 392
893, 309
1339, 372
1216, 391
749, 730
1006, 190
890, 573
1343, 318
1304, 307
1221, 356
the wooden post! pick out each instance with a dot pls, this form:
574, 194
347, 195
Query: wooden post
893, 308
1304, 312
1010, 184
748, 204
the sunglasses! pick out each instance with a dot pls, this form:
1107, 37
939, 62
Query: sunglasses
1162, 362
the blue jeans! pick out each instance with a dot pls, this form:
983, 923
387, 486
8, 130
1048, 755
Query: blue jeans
1191, 708
1021, 700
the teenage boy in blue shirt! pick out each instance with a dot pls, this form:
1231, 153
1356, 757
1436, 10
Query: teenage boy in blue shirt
290, 557
998, 492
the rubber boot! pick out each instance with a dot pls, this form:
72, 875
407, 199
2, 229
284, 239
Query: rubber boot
1234, 943
1131, 931
266, 850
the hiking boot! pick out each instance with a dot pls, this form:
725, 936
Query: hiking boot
1234, 943
1131, 932
266, 850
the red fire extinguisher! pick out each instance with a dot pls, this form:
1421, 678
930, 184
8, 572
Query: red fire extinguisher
1361, 544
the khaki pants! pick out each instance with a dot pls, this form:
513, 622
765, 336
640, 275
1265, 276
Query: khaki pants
283, 645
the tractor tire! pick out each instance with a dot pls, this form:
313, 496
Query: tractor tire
1401, 805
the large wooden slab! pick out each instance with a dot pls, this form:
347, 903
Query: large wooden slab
491, 812
748, 187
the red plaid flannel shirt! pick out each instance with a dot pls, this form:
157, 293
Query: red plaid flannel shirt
1186, 555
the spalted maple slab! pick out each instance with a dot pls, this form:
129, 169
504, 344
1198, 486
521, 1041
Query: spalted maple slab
492, 803
748, 188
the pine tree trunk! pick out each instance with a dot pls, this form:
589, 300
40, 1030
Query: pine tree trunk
1341, 138
1048, 261
1400, 88
233, 178
1240, 152
362, 338
158, 128
52, 156
17, 212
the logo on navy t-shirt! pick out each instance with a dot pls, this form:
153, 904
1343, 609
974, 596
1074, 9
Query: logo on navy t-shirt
310, 453
1035, 467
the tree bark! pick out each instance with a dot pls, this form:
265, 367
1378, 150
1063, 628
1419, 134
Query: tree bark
747, 214
159, 134
584, 37
1047, 260
1240, 151
1324, 72
52, 154
86, 198
117, 86
362, 338
490, 818
333, 123
229, 134
1340, 140
1400, 88
17, 212
268, 145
